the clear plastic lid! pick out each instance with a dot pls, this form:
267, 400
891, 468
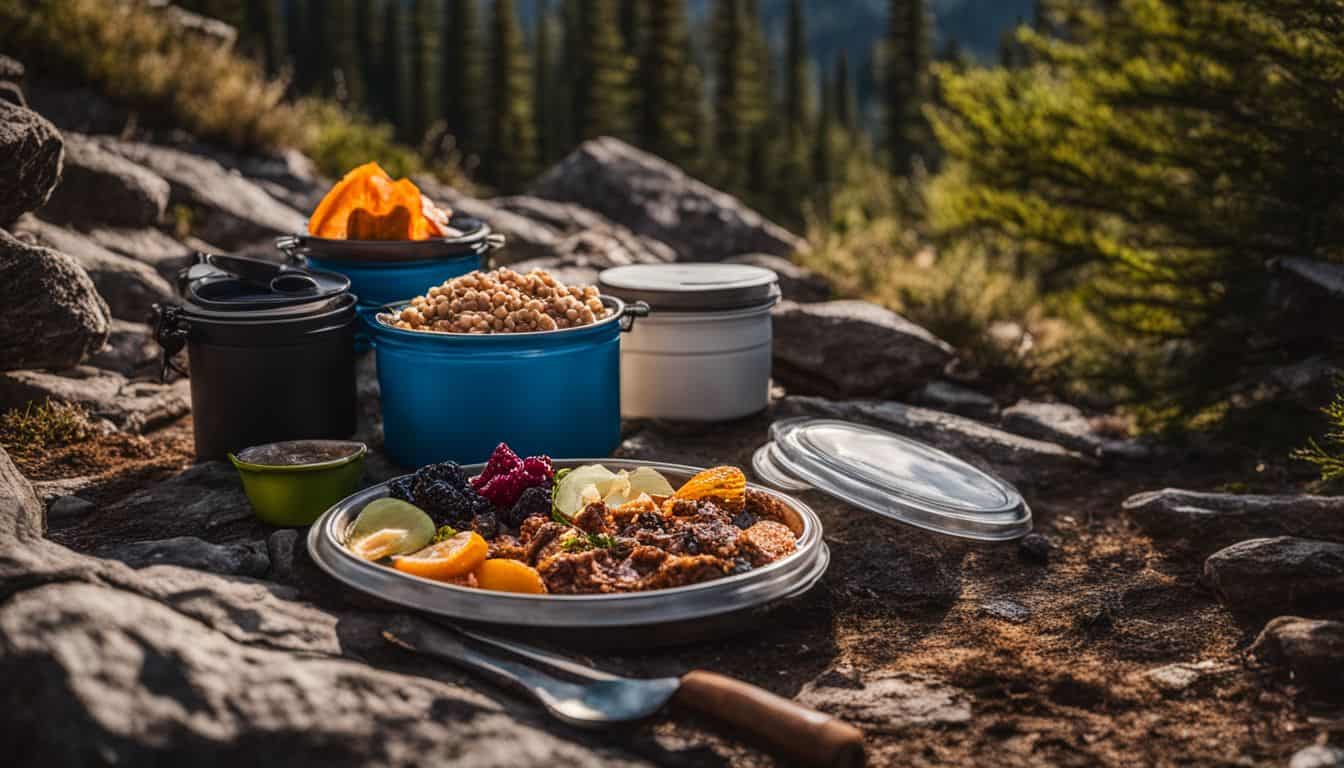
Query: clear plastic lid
893, 476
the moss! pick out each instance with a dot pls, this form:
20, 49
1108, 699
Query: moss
43, 425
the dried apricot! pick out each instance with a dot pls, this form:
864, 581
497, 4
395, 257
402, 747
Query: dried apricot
329, 218
450, 558
726, 486
503, 575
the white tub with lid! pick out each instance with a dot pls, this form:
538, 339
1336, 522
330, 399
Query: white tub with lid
703, 353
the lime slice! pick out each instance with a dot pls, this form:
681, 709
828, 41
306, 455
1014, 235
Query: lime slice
570, 490
387, 527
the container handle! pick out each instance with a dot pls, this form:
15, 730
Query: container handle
171, 330
292, 247
631, 313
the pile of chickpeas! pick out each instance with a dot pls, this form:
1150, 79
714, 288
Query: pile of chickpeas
501, 301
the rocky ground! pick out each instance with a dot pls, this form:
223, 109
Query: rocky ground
146, 616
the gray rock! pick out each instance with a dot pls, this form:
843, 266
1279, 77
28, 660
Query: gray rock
1322, 274
130, 350
1005, 609
129, 287
51, 315
77, 108
98, 187
1317, 756
796, 283
133, 406
11, 93
946, 396
1206, 522
852, 349
1312, 651
234, 211
280, 548
1264, 576
1310, 383
1023, 461
49, 491
11, 74
656, 199
30, 161
150, 246
67, 509
10, 69
1067, 425
244, 559
889, 702
21, 514
1035, 547
1174, 679
567, 220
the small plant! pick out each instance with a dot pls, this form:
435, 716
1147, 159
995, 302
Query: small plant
43, 425
1328, 453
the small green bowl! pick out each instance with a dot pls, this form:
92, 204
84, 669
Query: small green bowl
295, 494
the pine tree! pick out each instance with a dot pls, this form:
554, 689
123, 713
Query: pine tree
669, 86
348, 85
461, 78
906, 80
738, 96
602, 76
512, 156
368, 44
846, 106
396, 67
317, 30
797, 105
632, 15
425, 41
543, 90
262, 34
823, 175
298, 40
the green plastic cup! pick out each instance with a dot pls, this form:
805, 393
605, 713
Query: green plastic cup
291, 483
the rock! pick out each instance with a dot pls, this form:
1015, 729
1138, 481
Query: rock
77, 108
1177, 678
30, 161
10, 69
288, 175
151, 246
203, 27
1318, 756
246, 559
130, 405
67, 509
1206, 522
1005, 609
1020, 460
130, 288
569, 220
49, 491
796, 283
51, 315
234, 211
99, 187
280, 548
1261, 576
1313, 651
888, 702
817, 350
1324, 275
11, 93
11, 74
1310, 383
130, 350
656, 199
1065, 424
1034, 547
945, 396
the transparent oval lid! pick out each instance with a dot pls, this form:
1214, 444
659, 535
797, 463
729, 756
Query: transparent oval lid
893, 476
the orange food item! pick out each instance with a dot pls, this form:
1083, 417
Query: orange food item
727, 486
503, 575
368, 205
449, 559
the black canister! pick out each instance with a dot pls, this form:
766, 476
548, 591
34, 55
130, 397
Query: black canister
270, 350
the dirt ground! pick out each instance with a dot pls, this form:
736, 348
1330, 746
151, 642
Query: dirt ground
1049, 656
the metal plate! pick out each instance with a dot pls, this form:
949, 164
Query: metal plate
739, 594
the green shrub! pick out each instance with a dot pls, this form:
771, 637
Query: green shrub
1328, 453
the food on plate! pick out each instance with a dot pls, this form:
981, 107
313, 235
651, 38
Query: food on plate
520, 526
388, 527
500, 301
368, 205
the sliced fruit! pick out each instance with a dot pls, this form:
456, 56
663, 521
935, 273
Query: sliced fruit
649, 480
727, 486
448, 559
329, 218
569, 492
502, 575
387, 527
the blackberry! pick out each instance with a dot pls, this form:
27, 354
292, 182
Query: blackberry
445, 503
534, 501
402, 488
448, 472
486, 524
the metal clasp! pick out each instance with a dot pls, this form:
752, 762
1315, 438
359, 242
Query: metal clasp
291, 245
631, 312
171, 330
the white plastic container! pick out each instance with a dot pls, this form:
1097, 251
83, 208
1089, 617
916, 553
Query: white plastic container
703, 353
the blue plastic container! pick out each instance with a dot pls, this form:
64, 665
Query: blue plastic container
384, 272
458, 395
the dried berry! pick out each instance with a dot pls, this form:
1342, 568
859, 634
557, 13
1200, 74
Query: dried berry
448, 504
486, 524
533, 502
448, 471
402, 488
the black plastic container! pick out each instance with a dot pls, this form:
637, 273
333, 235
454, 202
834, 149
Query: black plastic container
270, 350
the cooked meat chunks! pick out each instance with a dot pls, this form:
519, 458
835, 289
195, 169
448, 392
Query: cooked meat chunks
767, 507
594, 518
765, 542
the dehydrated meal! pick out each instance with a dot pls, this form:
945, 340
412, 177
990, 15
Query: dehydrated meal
500, 301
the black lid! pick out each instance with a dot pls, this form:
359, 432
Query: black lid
476, 239
220, 285
692, 287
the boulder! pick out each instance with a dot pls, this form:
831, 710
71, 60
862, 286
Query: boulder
77, 108
654, 198
151, 246
130, 350
1322, 275
1067, 425
133, 406
1020, 460
1311, 650
569, 220
99, 187
130, 288
65, 510
943, 395
11, 74
233, 211
796, 283
1264, 576
852, 349
1206, 522
30, 161
241, 559
51, 315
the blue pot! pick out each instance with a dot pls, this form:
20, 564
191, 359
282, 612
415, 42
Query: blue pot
384, 272
457, 395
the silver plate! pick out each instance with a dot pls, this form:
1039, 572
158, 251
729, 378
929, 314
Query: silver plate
756, 589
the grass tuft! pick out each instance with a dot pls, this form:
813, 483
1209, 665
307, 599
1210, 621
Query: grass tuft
41, 425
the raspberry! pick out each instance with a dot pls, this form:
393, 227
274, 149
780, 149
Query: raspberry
504, 490
533, 501
539, 467
502, 461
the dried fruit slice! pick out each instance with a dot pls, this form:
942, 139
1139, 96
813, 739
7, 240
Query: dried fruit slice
503, 575
351, 192
726, 486
448, 559
387, 527
569, 492
393, 225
